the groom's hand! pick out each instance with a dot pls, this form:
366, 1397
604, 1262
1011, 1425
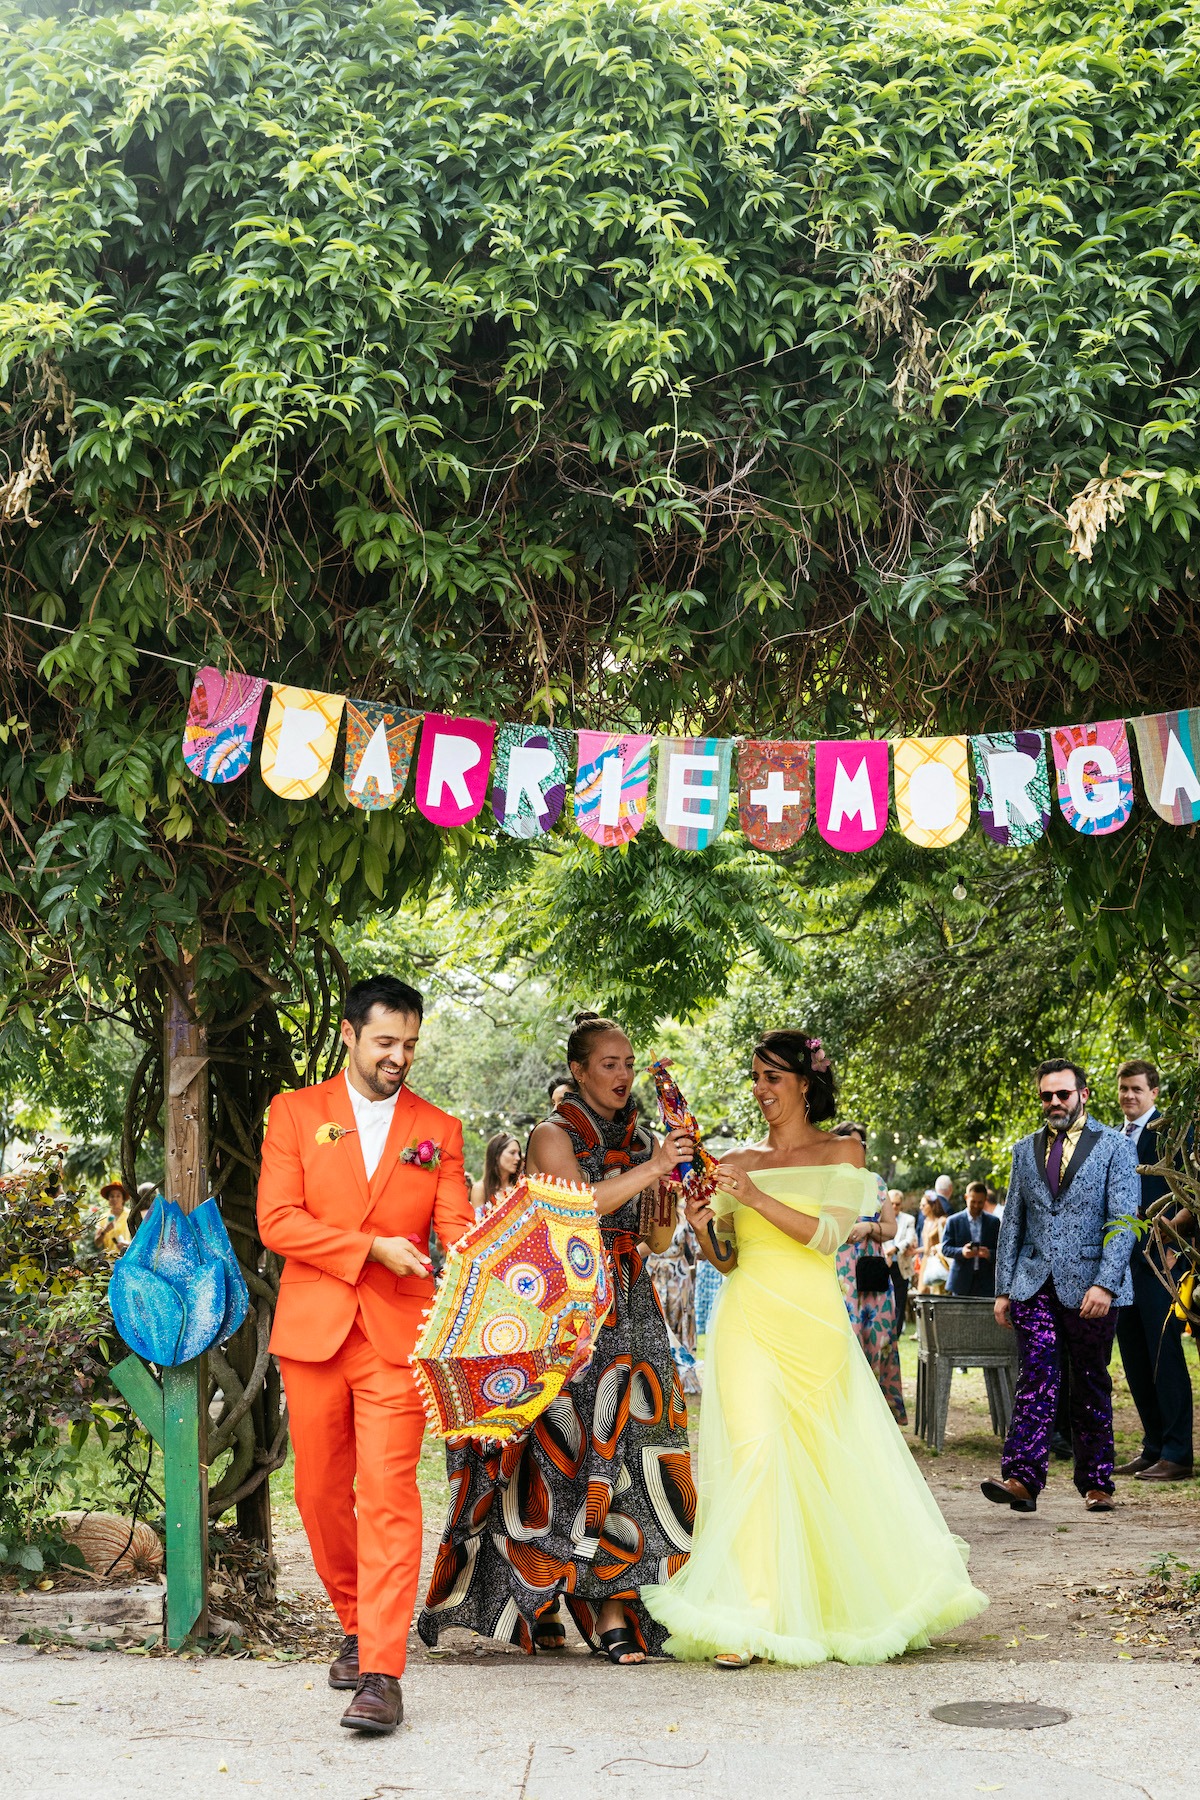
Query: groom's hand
400, 1255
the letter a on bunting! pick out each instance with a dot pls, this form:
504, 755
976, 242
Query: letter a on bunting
380, 741
852, 793
530, 784
1095, 776
453, 765
218, 737
612, 783
1012, 785
1169, 747
692, 801
774, 792
299, 741
933, 790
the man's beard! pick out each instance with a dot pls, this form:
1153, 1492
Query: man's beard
371, 1079
1062, 1119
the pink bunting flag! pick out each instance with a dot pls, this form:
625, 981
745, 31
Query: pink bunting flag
218, 735
612, 784
852, 793
1094, 774
453, 766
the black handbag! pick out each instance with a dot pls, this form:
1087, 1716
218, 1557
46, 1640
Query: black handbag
872, 1275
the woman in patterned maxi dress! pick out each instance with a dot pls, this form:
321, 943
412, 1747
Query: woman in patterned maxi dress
597, 1498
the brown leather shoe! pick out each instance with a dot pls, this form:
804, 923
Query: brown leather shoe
1166, 1471
1136, 1465
1012, 1493
1096, 1500
377, 1704
343, 1670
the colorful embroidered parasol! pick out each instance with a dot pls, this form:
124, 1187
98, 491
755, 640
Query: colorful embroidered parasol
699, 1177
515, 1316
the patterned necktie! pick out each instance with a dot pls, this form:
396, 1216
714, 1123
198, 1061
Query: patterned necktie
1054, 1162
1131, 1127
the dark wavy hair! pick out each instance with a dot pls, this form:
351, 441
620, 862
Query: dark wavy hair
493, 1180
793, 1050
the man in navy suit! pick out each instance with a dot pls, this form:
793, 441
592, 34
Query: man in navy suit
1062, 1269
1149, 1334
969, 1244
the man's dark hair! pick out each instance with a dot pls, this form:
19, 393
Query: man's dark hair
381, 990
977, 1187
557, 1081
1056, 1066
1128, 1070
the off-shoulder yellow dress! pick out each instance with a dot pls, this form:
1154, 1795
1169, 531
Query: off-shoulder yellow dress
816, 1536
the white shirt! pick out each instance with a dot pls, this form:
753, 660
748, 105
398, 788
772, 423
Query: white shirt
373, 1119
1139, 1125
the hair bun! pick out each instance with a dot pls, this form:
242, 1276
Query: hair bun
587, 1018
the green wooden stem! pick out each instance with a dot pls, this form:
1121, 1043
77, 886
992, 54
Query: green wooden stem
171, 1414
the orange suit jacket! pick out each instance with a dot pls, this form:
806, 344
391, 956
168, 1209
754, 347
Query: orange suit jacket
317, 1209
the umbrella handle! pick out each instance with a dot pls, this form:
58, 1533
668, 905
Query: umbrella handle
721, 1255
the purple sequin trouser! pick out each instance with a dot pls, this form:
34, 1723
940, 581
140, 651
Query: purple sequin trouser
1041, 1325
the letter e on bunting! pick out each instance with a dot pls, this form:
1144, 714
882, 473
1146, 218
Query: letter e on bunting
932, 786
453, 766
1169, 748
299, 741
218, 736
380, 741
1012, 785
1095, 776
852, 793
692, 800
612, 784
530, 783
774, 792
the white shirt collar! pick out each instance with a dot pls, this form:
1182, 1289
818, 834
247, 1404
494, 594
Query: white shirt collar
373, 1119
1139, 1125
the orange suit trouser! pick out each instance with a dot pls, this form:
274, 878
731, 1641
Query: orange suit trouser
356, 1425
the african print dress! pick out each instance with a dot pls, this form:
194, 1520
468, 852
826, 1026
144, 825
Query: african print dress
597, 1498
873, 1317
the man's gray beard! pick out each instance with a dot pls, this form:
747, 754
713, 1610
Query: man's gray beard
1063, 1121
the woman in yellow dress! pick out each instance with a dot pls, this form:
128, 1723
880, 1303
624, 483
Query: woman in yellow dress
804, 1476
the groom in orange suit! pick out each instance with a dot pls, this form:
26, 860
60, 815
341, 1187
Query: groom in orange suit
354, 1171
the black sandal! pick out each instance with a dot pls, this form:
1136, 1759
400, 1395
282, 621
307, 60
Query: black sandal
549, 1633
619, 1643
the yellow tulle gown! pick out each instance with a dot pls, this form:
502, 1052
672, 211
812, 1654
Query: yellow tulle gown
816, 1537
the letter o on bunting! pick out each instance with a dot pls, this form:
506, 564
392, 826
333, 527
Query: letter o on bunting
1169, 748
612, 785
933, 790
453, 766
379, 744
692, 799
300, 739
218, 736
531, 779
774, 792
852, 793
1013, 785
1095, 776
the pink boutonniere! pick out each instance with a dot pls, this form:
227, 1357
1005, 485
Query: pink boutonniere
329, 1134
425, 1155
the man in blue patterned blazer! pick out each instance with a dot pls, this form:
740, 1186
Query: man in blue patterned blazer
1061, 1274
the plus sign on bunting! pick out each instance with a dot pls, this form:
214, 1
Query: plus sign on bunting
774, 792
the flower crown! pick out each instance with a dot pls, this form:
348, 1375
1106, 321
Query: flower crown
817, 1056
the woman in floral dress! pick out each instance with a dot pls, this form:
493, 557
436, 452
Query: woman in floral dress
873, 1315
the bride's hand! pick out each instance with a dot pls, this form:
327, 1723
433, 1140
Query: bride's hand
734, 1180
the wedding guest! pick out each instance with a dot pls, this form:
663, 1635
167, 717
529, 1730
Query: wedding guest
933, 1272
901, 1252
943, 1187
502, 1165
558, 1088
597, 1498
1062, 1269
993, 1204
673, 1272
1148, 1333
969, 1246
112, 1228
866, 1283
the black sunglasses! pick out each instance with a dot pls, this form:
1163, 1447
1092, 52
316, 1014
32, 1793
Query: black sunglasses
1050, 1095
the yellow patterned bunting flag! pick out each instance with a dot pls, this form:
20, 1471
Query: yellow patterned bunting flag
300, 739
932, 787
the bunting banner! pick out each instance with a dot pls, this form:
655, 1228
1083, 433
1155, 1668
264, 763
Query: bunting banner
532, 764
849, 784
453, 767
299, 741
218, 735
932, 785
612, 786
1095, 776
774, 792
1169, 751
852, 793
1013, 786
692, 796
380, 741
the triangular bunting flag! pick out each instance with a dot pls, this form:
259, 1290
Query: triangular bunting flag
380, 741
612, 783
774, 792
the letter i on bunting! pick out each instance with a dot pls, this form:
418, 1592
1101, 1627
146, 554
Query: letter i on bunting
218, 736
932, 786
299, 741
530, 784
774, 792
1012, 785
693, 790
380, 741
612, 784
453, 765
1169, 748
852, 793
1095, 776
